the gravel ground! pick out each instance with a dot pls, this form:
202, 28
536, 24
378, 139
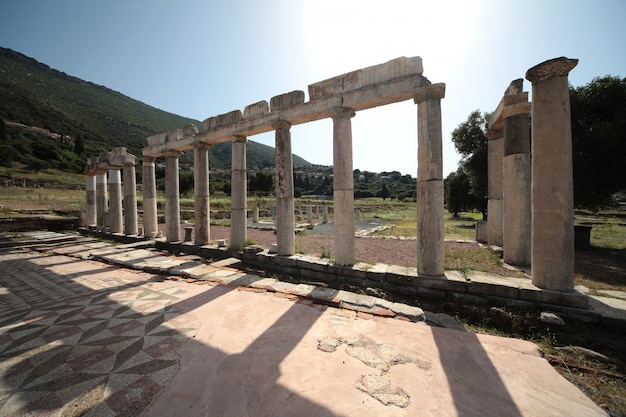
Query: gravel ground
391, 251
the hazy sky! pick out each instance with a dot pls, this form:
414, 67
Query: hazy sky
201, 58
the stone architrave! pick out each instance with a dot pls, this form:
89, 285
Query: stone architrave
495, 195
285, 222
150, 219
202, 234
343, 186
90, 186
115, 200
130, 198
430, 227
172, 198
552, 176
239, 191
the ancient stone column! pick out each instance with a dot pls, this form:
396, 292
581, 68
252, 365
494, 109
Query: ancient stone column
516, 189
239, 191
101, 197
150, 219
430, 228
495, 203
285, 222
343, 186
172, 198
325, 214
552, 176
201, 193
90, 177
130, 198
309, 214
115, 200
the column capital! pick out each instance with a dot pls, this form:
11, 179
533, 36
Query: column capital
202, 145
430, 92
172, 153
342, 113
557, 67
148, 159
239, 138
494, 134
281, 124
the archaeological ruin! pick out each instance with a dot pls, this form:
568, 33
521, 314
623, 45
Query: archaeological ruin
530, 199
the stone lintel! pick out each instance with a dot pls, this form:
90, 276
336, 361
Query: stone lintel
226, 119
156, 140
429, 92
376, 74
190, 130
557, 67
174, 135
221, 128
120, 157
287, 100
497, 118
255, 110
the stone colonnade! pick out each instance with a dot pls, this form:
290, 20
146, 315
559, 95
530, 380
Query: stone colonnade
105, 207
530, 206
338, 98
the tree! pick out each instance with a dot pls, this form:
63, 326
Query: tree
458, 192
79, 145
598, 141
470, 141
384, 192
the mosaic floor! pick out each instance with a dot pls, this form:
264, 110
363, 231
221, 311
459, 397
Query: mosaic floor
81, 338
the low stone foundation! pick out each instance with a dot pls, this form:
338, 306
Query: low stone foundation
396, 281
23, 224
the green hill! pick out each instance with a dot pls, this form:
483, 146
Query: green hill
93, 116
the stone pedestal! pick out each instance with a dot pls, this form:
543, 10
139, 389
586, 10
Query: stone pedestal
552, 176
285, 222
172, 198
130, 199
102, 197
90, 212
201, 194
343, 186
115, 200
239, 190
430, 210
150, 219
516, 190
495, 195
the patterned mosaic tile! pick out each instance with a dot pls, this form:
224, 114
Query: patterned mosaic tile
77, 340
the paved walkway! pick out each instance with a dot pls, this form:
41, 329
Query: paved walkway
80, 337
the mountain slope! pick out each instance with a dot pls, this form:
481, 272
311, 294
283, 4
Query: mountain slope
33, 94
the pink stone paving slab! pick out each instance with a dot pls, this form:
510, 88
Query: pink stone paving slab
257, 354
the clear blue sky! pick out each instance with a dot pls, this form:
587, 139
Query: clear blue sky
199, 58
